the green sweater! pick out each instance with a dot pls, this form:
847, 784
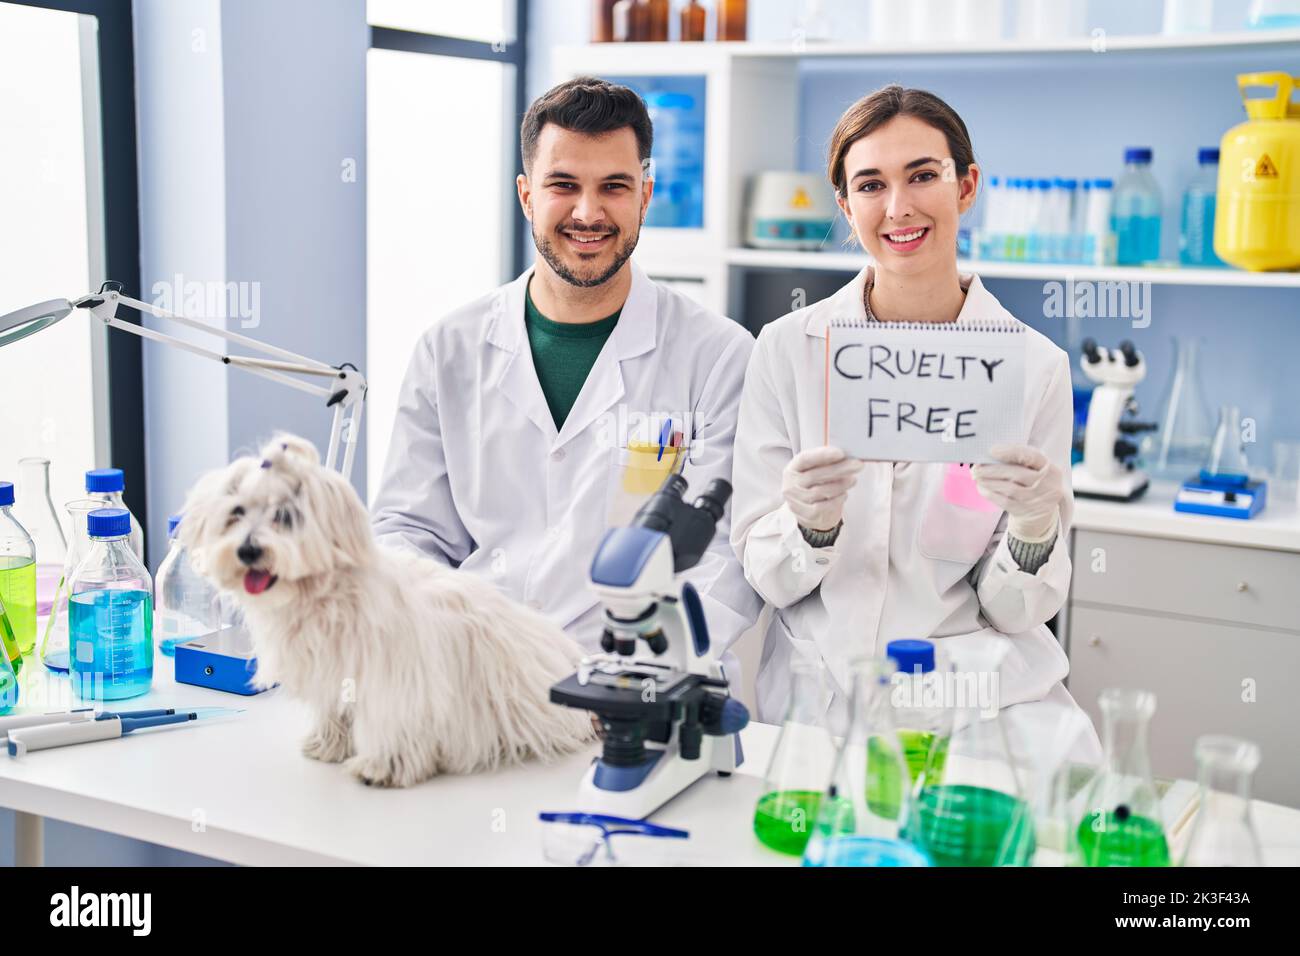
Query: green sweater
563, 354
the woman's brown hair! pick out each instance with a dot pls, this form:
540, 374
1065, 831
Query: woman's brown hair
876, 109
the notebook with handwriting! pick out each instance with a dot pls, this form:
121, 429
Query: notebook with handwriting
908, 391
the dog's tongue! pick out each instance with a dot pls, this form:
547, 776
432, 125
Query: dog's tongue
255, 582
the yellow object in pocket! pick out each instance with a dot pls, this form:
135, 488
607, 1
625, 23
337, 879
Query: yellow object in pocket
646, 469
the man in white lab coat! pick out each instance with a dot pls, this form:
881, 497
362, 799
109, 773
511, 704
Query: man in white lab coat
510, 453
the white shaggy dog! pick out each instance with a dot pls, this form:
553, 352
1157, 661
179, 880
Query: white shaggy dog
411, 668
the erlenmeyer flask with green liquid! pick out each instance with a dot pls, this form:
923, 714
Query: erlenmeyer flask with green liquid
972, 809
866, 802
1121, 823
800, 765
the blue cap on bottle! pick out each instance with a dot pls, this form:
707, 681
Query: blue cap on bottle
1207, 154
994, 181
6, 493
1044, 184
1068, 183
172, 522
109, 523
1104, 183
105, 479
1137, 154
911, 654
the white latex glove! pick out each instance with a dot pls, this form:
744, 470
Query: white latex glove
815, 485
1027, 486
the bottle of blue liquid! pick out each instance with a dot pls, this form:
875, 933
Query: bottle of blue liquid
110, 613
1196, 241
1135, 215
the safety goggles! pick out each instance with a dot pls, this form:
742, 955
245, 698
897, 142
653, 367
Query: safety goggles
595, 839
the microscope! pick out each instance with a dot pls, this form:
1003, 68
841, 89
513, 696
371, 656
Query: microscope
658, 686
1107, 469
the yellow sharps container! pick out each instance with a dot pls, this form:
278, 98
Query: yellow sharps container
1257, 219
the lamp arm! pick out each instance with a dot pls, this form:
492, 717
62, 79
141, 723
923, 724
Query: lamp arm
346, 393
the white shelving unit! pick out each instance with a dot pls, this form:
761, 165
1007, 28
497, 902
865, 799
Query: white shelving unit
853, 261
752, 125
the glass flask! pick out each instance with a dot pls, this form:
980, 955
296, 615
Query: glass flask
1223, 833
36, 511
185, 604
866, 803
17, 579
110, 613
916, 694
107, 485
54, 643
800, 765
1121, 823
8, 679
974, 810
1227, 458
1178, 448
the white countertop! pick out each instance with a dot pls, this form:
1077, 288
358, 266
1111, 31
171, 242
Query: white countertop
239, 790
1153, 515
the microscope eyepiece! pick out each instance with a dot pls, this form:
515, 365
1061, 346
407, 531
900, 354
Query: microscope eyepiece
1090, 350
714, 499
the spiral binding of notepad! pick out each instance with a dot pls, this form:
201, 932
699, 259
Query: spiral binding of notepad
975, 325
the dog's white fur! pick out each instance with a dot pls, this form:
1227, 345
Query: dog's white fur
410, 667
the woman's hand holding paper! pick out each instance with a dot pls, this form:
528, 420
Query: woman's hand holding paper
1027, 486
815, 485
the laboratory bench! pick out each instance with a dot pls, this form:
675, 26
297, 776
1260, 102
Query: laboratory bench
1202, 610
238, 789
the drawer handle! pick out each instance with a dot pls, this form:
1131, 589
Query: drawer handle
1241, 586
1094, 641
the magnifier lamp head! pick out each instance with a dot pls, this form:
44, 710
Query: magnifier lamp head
24, 322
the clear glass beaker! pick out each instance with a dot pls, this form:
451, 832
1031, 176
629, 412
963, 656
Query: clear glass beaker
1227, 459
1223, 833
110, 613
1121, 823
800, 764
866, 803
36, 511
973, 810
1177, 449
54, 643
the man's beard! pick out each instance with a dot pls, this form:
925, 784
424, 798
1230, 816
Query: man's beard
548, 252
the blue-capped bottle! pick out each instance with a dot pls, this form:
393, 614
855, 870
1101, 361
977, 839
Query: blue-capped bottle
107, 485
185, 605
17, 582
1196, 241
923, 722
110, 613
1135, 218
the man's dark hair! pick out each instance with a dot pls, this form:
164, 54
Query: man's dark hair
586, 105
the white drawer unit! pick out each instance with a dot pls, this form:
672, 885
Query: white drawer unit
1212, 629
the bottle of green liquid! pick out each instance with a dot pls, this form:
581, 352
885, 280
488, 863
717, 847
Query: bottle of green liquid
17, 579
1121, 825
8, 679
800, 766
916, 693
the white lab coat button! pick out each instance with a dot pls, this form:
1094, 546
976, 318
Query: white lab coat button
557, 455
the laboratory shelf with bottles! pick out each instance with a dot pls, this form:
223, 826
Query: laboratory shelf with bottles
1067, 107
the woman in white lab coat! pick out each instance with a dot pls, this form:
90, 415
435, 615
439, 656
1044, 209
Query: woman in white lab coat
853, 554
